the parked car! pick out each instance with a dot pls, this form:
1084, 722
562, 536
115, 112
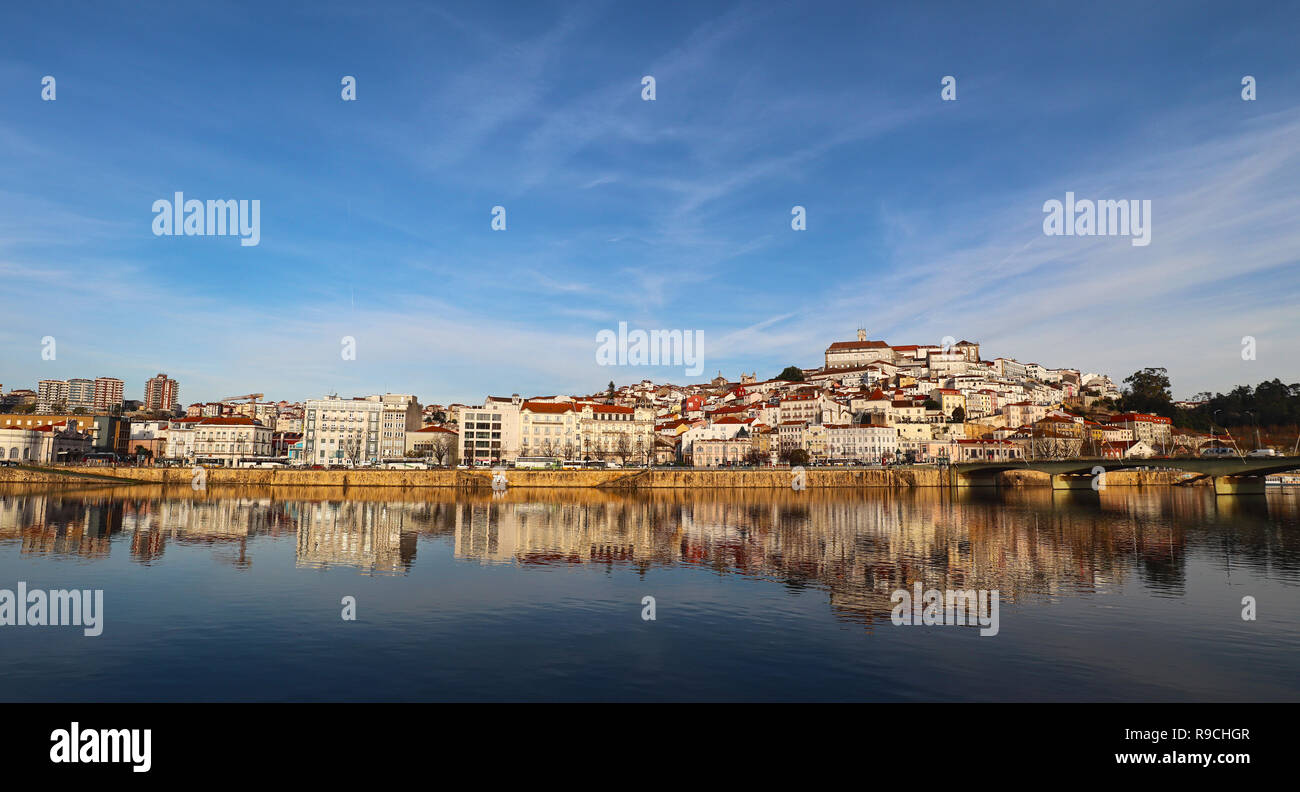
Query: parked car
1262, 452
1218, 452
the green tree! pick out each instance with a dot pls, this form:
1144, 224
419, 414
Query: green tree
791, 374
958, 415
1147, 391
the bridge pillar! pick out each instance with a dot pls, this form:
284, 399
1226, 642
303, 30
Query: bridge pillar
1239, 485
1072, 481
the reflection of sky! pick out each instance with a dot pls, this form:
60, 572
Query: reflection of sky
228, 615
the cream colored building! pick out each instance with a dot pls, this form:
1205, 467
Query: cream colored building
358, 430
608, 430
550, 428
224, 440
863, 442
491, 433
713, 453
852, 354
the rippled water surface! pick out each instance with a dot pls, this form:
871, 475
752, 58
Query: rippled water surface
235, 594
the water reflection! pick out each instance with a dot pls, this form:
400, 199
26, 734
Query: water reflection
858, 546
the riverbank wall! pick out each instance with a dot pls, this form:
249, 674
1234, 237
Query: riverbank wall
660, 478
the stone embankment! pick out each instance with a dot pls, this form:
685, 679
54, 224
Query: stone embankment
629, 479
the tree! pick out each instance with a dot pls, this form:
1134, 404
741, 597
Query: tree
1147, 391
611, 388
622, 448
791, 374
958, 415
798, 457
441, 449
931, 404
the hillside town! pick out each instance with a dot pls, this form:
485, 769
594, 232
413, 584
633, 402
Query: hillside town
868, 403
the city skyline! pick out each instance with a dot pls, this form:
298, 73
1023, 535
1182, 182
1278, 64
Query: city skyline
924, 217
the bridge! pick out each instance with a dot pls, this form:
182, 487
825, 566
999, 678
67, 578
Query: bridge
1232, 475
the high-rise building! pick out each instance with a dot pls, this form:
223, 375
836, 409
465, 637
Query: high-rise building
161, 393
81, 394
108, 394
51, 395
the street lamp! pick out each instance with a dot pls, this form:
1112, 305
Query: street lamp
1255, 420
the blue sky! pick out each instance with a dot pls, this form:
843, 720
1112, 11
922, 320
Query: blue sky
924, 216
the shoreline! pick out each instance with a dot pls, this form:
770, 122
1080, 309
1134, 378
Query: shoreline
621, 479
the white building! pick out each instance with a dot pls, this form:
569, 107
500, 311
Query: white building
361, 429
491, 433
222, 440
863, 442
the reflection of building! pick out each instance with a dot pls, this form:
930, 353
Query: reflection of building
856, 546
361, 534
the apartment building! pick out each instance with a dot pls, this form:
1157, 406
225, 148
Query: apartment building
491, 433
550, 428
220, 441
360, 429
611, 430
81, 394
51, 396
863, 442
1155, 430
161, 393
803, 407
718, 452
108, 394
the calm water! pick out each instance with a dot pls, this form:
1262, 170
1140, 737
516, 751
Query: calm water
235, 594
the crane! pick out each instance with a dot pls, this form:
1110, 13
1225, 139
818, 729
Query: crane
246, 397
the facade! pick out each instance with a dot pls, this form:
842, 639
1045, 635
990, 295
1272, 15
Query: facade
51, 396
852, 354
46, 444
151, 436
108, 394
109, 433
225, 440
356, 430
81, 394
1155, 430
491, 433
612, 431
161, 393
983, 450
437, 443
550, 429
715, 453
863, 442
